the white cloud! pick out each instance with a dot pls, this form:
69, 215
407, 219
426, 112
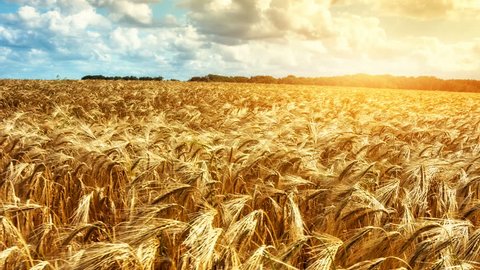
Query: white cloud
7, 35
69, 24
35, 3
125, 39
66, 6
236, 20
137, 12
129, 11
29, 16
133, 11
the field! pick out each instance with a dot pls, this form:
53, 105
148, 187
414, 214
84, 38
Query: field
171, 175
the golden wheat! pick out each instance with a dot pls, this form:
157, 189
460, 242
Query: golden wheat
164, 175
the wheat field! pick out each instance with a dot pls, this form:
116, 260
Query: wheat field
172, 175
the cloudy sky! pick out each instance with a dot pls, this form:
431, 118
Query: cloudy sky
182, 38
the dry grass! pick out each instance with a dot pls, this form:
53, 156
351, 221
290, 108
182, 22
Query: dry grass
160, 175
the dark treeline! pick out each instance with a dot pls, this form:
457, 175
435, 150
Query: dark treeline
358, 80
125, 78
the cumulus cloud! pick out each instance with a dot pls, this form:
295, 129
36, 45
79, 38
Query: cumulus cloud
234, 20
133, 11
36, 36
130, 11
221, 36
66, 6
73, 35
59, 23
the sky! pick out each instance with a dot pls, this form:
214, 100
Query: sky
48, 39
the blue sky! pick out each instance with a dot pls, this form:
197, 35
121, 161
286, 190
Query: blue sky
184, 38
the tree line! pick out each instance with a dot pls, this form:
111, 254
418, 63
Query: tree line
125, 78
357, 80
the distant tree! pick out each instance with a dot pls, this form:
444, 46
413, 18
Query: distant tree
263, 79
198, 79
93, 77
290, 79
126, 78
240, 79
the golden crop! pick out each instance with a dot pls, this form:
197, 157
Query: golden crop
163, 175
